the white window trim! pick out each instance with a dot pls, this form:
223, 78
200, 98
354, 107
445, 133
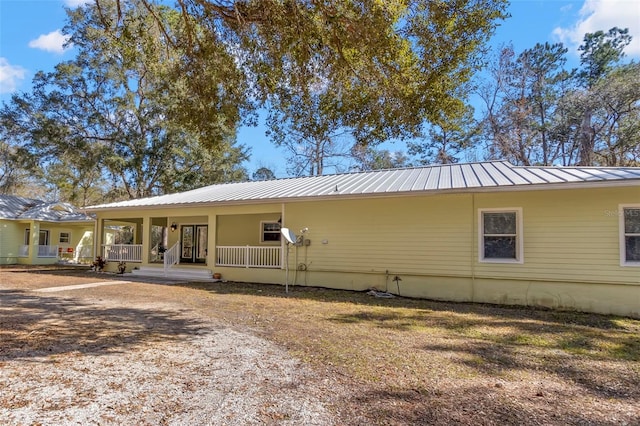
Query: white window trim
519, 235
623, 246
60, 237
262, 240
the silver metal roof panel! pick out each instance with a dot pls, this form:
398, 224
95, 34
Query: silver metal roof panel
483, 175
20, 208
490, 176
470, 178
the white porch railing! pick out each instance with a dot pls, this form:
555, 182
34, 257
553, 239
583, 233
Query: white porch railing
122, 252
48, 251
248, 256
43, 251
171, 257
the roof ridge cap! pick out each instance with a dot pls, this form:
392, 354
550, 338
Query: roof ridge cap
577, 167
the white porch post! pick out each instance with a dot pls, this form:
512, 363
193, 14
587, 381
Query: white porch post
97, 239
211, 240
146, 238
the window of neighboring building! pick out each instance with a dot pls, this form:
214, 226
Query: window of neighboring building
630, 235
501, 235
43, 237
270, 232
65, 237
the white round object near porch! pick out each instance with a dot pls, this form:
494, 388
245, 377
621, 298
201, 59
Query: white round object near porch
288, 235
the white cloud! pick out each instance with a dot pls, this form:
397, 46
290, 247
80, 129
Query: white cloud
10, 76
52, 42
76, 3
596, 15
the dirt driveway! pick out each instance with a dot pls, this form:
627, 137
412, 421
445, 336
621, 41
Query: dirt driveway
90, 349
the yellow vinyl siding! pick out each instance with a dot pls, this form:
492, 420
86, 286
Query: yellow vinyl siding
405, 235
238, 230
11, 238
568, 236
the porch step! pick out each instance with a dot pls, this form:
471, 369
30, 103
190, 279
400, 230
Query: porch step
188, 274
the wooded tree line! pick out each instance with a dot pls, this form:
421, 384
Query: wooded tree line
152, 101
538, 112
532, 111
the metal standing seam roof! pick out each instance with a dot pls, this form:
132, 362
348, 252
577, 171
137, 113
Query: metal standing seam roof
466, 177
21, 208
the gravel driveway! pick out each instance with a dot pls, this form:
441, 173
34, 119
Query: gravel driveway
86, 350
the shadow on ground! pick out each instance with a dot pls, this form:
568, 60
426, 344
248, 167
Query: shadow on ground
494, 341
470, 405
422, 307
33, 326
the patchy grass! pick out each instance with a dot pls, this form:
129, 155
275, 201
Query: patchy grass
540, 363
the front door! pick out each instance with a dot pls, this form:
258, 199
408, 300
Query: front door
193, 244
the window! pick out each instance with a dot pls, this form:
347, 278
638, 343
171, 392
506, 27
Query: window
270, 232
630, 235
501, 235
65, 237
43, 237
27, 236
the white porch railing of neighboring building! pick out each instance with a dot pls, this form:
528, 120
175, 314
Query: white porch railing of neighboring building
48, 251
122, 252
83, 252
248, 256
43, 251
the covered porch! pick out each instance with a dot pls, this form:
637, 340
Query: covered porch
249, 241
52, 242
208, 240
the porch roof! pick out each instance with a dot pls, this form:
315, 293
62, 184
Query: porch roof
466, 177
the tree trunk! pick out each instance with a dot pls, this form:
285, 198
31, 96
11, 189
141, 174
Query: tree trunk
587, 140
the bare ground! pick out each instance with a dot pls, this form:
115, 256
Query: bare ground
144, 353
91, 357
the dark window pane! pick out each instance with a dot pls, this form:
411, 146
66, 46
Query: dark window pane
499, 223
271, 236
632, 221
632, 245
500, 247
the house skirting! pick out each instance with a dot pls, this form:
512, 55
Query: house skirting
603, 298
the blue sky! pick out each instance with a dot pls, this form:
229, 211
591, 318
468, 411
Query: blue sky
30, 40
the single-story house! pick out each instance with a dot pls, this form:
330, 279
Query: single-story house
560, 237
36, 232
